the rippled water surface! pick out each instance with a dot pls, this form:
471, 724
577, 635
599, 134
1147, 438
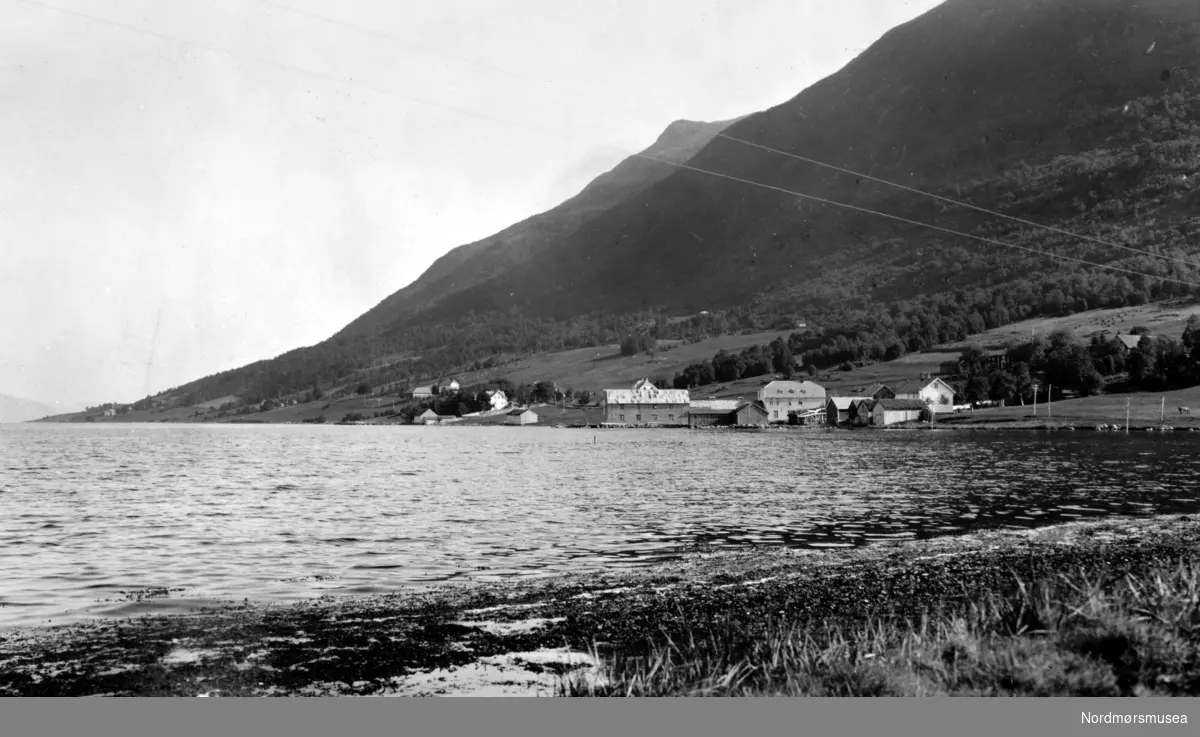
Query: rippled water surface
122, 519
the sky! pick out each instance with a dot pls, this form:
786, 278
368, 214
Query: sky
186, 188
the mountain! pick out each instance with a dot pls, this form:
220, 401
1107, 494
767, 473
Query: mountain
15, 409
473, 264
958, 94
1071, 113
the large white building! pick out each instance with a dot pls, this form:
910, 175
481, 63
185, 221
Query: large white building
781, 397
646, 404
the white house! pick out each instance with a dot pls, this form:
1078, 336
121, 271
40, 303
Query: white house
935, 393
110, 412
428, 417
497, 400
453, 385
891, 411
521, 417
781, 397
423, 392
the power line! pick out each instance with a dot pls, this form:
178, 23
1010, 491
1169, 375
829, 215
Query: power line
948, 200
482, 116
912, 222
395, 39
276, 64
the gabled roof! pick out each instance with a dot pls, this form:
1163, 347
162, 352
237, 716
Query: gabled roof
1131, 341
901, 404
423, 390
519, 412
644, 392
756, 405
842, 402
714, 405
792, 389
697, 411
428, 413
914, 386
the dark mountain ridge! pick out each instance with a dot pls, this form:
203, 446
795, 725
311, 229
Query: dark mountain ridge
474, 263
1020, 106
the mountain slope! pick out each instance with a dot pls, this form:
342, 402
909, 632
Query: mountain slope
957, 94
15, 409
1058, 111
472, 264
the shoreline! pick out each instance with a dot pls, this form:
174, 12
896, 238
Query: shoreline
518, 638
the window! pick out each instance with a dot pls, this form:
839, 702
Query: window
639, 417
654, 418
671, 416
622, 417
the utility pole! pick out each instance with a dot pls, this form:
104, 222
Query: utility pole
1049, 400
1035, 388
1126, 416
1162, 412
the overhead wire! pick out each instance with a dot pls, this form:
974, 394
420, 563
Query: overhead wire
960, 203
510, 123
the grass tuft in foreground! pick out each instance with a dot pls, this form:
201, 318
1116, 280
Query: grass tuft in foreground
1082, 634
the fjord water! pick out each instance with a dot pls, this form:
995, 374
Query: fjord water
119, 519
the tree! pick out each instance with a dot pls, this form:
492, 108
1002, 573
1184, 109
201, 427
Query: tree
362, 389
544, 392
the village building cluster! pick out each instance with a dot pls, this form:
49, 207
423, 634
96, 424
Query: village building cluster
778, 402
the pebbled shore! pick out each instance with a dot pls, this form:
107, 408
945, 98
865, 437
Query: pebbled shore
519, 639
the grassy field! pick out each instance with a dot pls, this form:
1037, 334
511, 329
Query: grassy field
1161, 318
605, 368
1145, 410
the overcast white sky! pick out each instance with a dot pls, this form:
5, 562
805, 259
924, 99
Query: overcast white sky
257, 195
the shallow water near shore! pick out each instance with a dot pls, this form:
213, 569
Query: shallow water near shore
127, 519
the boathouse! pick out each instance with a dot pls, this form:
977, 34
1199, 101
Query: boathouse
861, 412
428, 417
713, 412
891, 411
837, 410
521, 417
751, 414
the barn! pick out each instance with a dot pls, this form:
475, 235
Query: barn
892, 411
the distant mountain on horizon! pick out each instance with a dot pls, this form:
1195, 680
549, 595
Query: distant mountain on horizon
1070, 113
16, 409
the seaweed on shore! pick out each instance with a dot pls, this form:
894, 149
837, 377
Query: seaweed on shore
420, 642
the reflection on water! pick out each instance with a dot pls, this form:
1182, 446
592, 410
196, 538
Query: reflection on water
120, 519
